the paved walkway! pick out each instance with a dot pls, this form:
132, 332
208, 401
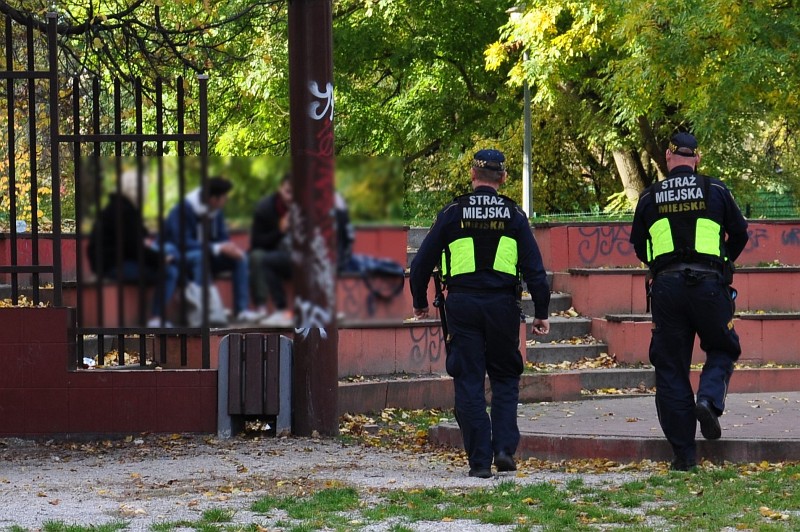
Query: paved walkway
755, 427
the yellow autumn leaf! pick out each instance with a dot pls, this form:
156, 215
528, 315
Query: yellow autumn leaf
495, 56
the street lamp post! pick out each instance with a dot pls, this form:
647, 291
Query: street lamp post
527, 164
515, 13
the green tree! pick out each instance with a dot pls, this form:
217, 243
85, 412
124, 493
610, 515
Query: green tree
639, 70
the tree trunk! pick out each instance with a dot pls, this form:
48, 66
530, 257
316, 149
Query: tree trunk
652, 147
631, 173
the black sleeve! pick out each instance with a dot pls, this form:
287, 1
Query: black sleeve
265, 232
639, 231
533, 272
735, 227
426, 259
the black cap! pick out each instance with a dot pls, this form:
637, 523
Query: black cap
683, 144
218, 186
489, 159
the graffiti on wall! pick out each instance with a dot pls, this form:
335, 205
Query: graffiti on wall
604, 241
609, 244
427, 344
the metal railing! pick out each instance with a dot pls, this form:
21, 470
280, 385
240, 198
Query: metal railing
92, 153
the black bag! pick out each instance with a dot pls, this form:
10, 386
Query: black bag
385, 278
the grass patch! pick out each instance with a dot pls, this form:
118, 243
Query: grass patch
507, 503
762, 497
325, 509
61, 526
211, 520
218, 515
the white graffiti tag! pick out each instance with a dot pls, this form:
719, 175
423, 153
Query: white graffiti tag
313, 317
327, 97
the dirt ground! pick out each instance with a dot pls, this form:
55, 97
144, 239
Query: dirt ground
152, 479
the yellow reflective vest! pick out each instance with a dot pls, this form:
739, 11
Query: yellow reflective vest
482, 240
682, 229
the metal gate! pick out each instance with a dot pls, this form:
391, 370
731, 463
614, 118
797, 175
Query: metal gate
88, 149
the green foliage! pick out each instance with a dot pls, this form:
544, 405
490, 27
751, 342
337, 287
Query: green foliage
372, 186
637, 70
426, 84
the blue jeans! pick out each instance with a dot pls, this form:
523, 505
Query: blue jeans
223, 263
131, 273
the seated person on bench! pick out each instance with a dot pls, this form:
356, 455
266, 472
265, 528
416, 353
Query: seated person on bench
120, 228
225, 254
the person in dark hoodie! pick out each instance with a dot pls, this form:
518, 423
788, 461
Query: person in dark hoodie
270, 254
121, 248
225, 254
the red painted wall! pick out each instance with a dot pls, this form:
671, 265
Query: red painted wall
40, 396
590, 245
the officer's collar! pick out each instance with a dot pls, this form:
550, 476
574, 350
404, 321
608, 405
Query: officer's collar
485, 188
682, 169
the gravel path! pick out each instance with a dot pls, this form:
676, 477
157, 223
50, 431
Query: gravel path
148, 480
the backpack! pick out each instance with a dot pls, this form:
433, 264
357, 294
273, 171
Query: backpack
384, 278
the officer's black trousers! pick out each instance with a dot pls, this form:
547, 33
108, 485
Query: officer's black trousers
685, 304
484, 330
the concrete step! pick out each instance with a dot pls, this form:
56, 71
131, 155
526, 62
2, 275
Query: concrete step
435, 390
601, 291
755, 427
763, 336
557, 353
559, 302
415, 236
562, 328
45, 293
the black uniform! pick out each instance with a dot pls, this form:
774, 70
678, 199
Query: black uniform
690, 295
483, 313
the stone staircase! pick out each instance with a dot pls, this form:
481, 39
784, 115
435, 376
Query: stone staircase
598, 314
570, 341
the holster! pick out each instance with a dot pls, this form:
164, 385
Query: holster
728, 269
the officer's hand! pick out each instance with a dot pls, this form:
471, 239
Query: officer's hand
421, 313
540, 327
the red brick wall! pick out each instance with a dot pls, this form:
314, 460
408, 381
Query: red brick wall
590, 245
40, 396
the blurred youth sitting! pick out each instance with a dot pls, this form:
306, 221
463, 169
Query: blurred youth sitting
345, 234
225, 254
270, 254
122, 217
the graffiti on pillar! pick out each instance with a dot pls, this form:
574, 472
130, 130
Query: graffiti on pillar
326, 103
603, 241
426, 343
319, 312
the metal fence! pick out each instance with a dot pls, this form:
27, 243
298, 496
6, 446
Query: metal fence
80, 144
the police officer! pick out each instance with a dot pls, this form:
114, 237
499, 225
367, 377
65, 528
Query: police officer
482, 242
679, 230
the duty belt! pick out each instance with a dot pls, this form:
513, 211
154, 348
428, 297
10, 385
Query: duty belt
690, 266
470, 290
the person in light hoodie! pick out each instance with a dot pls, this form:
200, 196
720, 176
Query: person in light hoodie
226, 255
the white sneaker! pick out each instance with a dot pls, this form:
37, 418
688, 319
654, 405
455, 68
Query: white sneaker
279, 318
155, 323
248, 315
